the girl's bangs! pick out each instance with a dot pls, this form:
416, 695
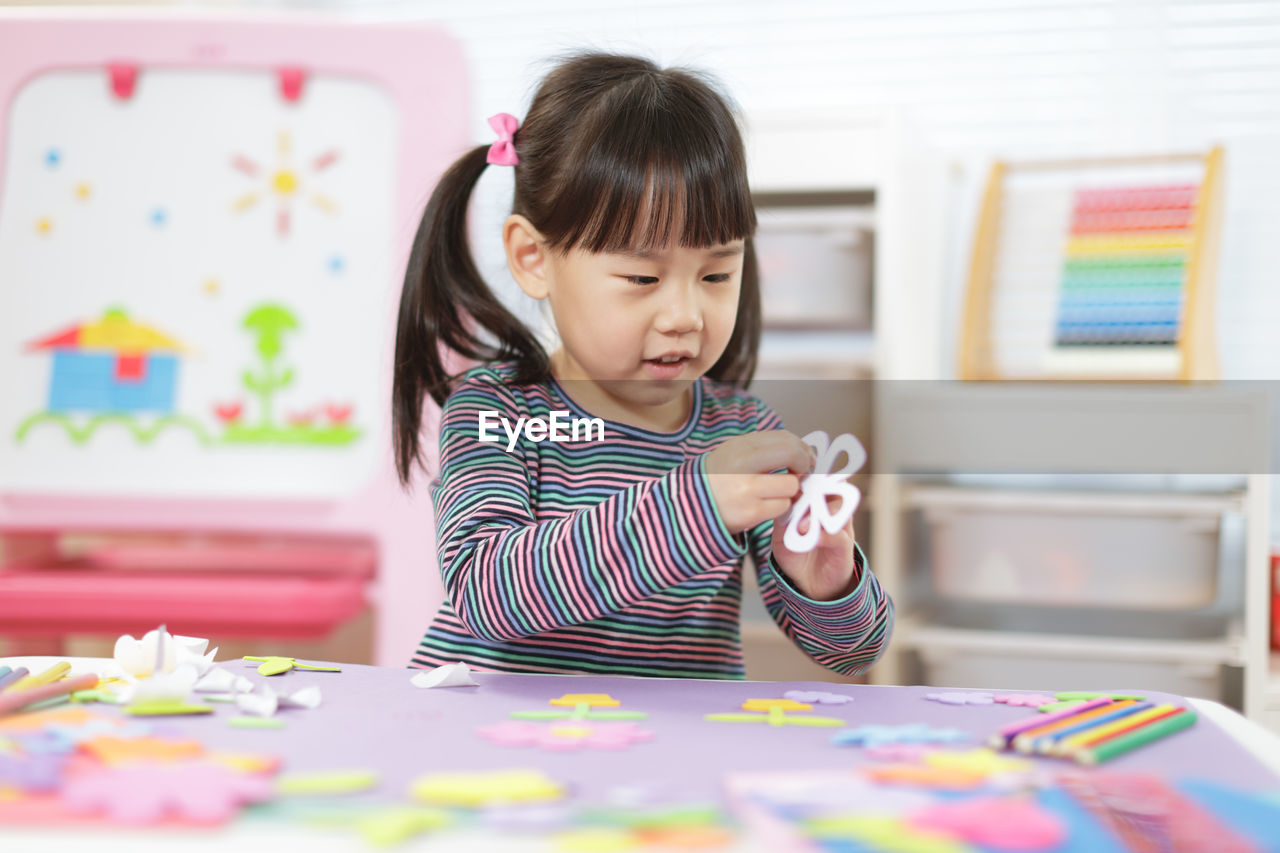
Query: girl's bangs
693, 198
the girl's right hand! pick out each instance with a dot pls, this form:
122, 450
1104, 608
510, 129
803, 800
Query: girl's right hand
744, 490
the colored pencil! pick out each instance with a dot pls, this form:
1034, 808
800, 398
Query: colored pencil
1002, 738
1046, 742
16, 700
1141, 736
1025, 741
49, 676
1093, 737
13, 677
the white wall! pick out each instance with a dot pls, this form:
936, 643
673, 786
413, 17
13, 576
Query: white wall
979, 78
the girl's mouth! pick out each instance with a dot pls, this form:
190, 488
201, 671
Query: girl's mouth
667, 367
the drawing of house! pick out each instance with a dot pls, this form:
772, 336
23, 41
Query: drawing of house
111, 365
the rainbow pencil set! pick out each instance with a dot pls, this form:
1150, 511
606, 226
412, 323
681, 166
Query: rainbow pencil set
1094, 731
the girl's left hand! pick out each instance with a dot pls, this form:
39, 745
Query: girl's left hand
826, 573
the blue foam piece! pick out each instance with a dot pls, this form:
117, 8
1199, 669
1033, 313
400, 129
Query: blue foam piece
1255, 816
1084, 834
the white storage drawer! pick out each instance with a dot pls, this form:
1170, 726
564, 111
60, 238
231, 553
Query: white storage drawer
1077, 557
993, 671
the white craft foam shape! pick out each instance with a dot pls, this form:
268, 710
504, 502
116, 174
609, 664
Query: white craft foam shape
822, 483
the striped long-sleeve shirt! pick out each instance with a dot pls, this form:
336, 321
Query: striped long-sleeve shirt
610, 557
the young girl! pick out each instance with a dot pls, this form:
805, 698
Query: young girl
617, 551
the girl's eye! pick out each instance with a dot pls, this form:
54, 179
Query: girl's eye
641, 279
719, 277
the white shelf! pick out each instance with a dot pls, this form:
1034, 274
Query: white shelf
1097, 502
1067, 646
819, 354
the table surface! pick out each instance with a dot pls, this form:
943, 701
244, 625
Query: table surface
374, 718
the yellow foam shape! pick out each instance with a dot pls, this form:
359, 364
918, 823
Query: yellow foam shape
389, 826
485, 787
888, 834
593, 840
327, 782
982, 760
594, 700
771, 704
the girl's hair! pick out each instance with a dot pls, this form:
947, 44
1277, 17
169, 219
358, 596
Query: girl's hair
613, 153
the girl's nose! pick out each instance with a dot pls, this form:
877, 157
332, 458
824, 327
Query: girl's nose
681, 312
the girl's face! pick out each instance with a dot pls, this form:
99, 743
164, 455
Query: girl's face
637, 330
641, 328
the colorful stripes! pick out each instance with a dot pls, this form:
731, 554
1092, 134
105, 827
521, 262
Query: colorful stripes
1125, 265
609, 557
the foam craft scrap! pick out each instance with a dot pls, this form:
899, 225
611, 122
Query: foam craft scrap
565, 737
981, 760
822, 483
878, 735
1025, 700
591, 700
264, 702
199, 791
817, 697
482, 788
880, 832
32, 774
922, 776
962, 698
1004, 823
162, 651
824, 792
327, 782
117, 750
448, 675
38, 720
593, 839
272, 665
388, 826
219, 680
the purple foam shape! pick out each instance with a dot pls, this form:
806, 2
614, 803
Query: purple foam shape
958, 698
1026, 700
32, 774
817, 697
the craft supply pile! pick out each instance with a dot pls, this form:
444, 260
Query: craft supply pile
169, 738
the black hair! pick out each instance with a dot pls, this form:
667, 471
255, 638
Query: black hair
613, 154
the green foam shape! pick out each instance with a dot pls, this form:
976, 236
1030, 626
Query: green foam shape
248, 722
166, 708
335, 782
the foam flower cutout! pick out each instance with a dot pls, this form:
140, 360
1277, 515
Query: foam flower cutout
817, 697
173, 686
565, 737
161, 651
486, 787
816, 487
1002, 823
874, 735
146, 793
962, 698
1026, 700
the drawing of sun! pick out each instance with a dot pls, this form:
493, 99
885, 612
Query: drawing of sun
285, 182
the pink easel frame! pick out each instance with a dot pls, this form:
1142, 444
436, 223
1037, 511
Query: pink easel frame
423, 72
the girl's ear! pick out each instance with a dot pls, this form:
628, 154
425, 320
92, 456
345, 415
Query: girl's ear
526, 256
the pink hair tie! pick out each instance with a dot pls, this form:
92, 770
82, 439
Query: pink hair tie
503, 152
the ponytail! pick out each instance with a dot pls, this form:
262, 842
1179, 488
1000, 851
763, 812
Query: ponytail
446, 305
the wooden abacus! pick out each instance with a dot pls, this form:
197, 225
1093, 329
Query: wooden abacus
1095, 269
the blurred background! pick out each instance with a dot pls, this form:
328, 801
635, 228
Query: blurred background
1021, 249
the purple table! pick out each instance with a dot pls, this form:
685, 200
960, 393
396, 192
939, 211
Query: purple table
373, 718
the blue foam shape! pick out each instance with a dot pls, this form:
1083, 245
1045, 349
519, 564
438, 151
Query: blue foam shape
1252, 815
1084, 833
